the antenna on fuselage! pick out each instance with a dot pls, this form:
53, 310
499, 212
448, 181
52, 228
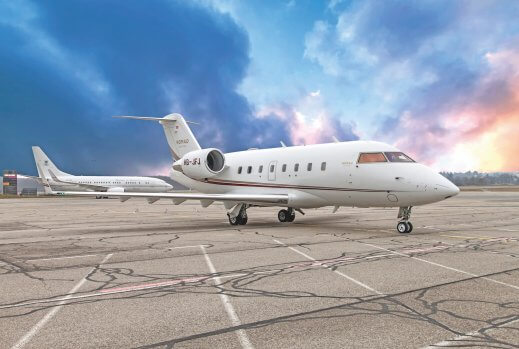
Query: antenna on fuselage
335, 140
283, 144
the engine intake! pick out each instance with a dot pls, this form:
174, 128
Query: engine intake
200, 164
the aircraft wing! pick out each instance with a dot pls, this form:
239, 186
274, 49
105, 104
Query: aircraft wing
205, 199
91, 187
82, 185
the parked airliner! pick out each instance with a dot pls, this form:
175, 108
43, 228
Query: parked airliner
356, 173
55, 180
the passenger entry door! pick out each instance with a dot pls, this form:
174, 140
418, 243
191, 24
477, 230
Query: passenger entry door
272, 170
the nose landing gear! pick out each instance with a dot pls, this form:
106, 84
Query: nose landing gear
404, 226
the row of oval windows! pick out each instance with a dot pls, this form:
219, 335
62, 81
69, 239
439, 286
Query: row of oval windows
283, 168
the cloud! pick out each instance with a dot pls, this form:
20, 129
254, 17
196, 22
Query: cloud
441, 73
309, 121
67, 67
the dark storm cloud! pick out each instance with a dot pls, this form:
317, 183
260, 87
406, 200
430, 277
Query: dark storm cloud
68, 66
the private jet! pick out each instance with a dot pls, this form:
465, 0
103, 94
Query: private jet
355, 173
55, 180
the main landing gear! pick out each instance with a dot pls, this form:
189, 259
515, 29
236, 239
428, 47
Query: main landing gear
287, 215
240, 219
404, 226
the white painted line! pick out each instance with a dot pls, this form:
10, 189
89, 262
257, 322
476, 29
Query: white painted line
444, 266
66, 257
191, 246
335, 271
235, 320
469, 337
36, 328
133, 288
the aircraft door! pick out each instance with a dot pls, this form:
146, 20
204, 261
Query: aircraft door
272, 170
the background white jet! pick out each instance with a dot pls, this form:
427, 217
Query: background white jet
55, 180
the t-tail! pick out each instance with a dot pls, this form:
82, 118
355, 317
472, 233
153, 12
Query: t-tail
44, 165
178, 134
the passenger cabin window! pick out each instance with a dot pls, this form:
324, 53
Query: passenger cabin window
271, 168
396, 156
260, 169
284, 168
309, 166
296, 167
249, 169
371, 157
239, 170
323, 166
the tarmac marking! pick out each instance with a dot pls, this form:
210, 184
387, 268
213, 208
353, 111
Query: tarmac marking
444, 266
36, 328
110, 291
190, 246
231, 313
469, 237
328, 267
471, 336
66, 257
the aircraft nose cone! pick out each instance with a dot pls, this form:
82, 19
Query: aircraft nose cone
447, 189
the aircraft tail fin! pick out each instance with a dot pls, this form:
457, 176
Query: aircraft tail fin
44, 165
178, 134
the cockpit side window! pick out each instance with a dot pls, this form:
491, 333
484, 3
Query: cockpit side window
396, 156
365, 158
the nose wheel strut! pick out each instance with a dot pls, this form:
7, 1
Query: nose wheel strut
404, 226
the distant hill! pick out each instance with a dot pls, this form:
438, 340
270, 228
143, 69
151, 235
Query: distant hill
480, 178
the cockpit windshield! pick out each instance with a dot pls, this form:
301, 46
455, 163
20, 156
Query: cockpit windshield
371, 157
396, 156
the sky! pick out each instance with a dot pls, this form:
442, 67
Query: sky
437, 78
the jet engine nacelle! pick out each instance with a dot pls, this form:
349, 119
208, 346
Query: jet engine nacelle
200, 164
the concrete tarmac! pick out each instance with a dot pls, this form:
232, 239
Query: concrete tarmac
86, 273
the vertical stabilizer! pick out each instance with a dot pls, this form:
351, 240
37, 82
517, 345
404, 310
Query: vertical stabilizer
179, 136
44, 165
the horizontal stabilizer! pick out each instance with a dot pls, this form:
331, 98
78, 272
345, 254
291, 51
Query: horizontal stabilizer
148, 118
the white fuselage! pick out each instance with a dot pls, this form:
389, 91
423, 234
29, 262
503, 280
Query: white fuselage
126, 184
343, 182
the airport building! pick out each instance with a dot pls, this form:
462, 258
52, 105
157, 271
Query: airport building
16, 184
9, 182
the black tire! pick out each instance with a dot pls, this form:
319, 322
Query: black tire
410, 227
242, 220
402, 227
283, 215
291, 218
233, 221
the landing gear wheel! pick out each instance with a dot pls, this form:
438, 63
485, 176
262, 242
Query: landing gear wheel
283, 215
233, 221
403, 227
242, 220
291, 218
410, 227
